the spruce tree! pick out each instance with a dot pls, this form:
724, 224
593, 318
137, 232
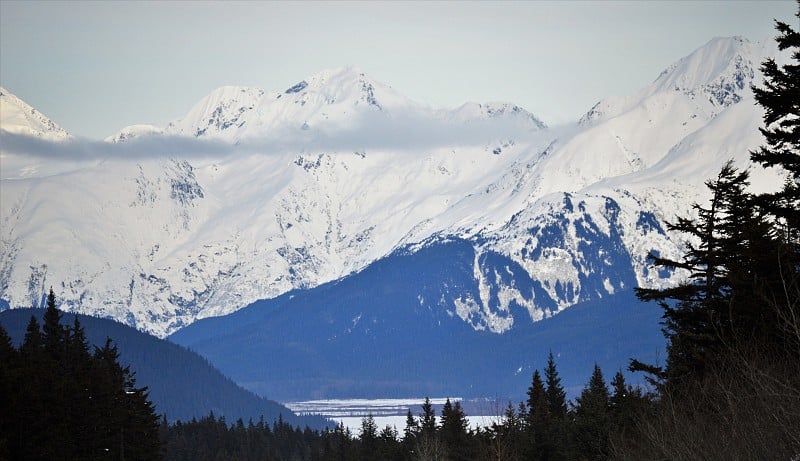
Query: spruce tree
342, 442
389, 445
592, 418
731, 257
508, 439
538, 409
428, 444
427, 419
53, 332
368, 438
7, 351
538, 418
556, 397
32, 344
455, 432
29, 439
620, 392
627, 403
8, 365
410, 433
77, 369
779, 97
130, 424
554, 438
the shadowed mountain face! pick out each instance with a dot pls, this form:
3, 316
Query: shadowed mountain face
388, 331
181, 384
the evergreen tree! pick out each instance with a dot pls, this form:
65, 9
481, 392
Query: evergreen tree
538, 418
32, 344
8, 364
735, 258
592, 419
506, 440
390, 447
369, 438
77, 371
428, 444
538, 407
455, 432
54, 333
627, 403
619, 394
130, 428
8, 353
342, 441
556, 397
780, 98
28, 438
427, 419
410, 433
554, 437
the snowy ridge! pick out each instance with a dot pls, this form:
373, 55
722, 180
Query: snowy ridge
329, 102
555, 216
713, 77
134, 131
16, 116
496, 110
332, 99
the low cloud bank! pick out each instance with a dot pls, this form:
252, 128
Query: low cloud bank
375, 133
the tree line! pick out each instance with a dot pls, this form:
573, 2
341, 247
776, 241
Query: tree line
544, 427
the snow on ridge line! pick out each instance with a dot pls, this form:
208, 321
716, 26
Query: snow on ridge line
722, 67
331, 98
210, 238
17, 116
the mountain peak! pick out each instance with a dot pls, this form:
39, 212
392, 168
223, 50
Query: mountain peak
337, 74
348, 83
17, 116
497, 110
714, 76
221, 109
722, 61
332, 97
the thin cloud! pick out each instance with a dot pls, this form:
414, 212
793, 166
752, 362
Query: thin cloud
79, 149
398, 133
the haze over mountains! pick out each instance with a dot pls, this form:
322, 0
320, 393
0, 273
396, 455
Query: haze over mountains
254, 194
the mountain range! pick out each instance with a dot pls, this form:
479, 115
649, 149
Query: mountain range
323, 187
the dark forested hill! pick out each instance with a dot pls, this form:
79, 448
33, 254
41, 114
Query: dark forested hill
182, 384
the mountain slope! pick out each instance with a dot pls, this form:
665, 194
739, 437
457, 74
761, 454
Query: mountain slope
16, 116
391, 331
181, 384
311, 184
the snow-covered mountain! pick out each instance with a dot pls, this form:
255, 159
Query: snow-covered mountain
329, 102
321, 180
16, 116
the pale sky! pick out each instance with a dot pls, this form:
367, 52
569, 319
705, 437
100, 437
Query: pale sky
95, 67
